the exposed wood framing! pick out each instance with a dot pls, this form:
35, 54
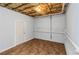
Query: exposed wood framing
28, 8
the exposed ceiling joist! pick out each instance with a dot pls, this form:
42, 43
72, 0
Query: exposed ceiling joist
13, 5
30, 8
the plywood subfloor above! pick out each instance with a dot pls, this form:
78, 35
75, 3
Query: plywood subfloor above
37, 47
32, 9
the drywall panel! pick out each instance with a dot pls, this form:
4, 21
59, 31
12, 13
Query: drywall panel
70, 49
73, 22
42, 35
58, 23
58, 37
58, 28
8, 21
28, 30
42, 27
42, 24
72, 17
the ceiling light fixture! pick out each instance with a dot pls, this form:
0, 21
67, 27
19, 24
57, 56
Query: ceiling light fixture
42, 8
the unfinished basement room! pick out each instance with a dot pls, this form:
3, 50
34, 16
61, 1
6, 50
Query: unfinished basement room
39, 29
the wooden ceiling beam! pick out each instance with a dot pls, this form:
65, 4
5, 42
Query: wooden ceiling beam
4, 4
13, 5
33, 14
29, 12
28, 8
7, 4
20, 6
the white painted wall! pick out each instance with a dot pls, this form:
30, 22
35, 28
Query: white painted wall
58, 23
72, 17
8, 19
58, 28
42, 28
70, 49
42, 24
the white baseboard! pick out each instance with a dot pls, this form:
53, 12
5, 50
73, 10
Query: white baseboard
27, 39
50, 40
7, 48
72, 43
70, 39
16, 44
56, 37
